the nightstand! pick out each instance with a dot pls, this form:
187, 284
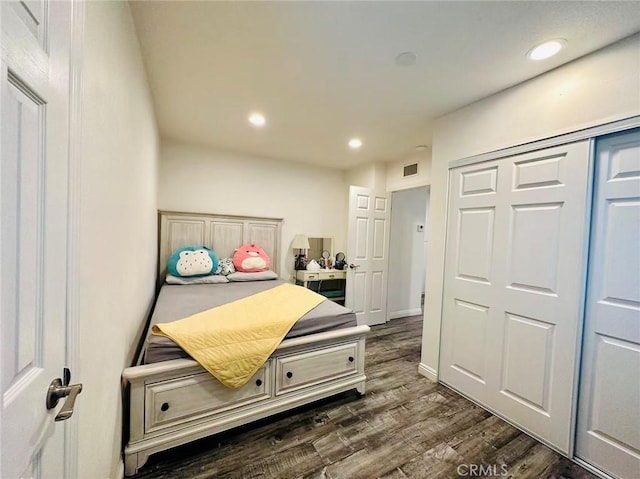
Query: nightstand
327, 282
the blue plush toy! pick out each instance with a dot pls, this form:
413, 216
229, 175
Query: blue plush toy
192, 261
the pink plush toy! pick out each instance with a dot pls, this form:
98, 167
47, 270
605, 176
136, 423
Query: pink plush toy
250, 258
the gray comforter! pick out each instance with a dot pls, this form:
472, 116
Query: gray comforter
179, 301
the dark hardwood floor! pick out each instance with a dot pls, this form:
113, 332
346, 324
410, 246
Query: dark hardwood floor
404, 427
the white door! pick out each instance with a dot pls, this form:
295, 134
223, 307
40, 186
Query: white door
367, 254
513, 286
609, 403
34, 106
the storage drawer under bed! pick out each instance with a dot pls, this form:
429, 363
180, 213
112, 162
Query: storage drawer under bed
180, 400
304, 369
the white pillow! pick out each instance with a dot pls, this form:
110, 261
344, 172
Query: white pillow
210, 279
256, 276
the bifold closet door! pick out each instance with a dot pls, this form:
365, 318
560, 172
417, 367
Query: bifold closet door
609, 402
513, 286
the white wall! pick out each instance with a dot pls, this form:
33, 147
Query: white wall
367, 175
117, 228
407, 252
596, 89
309, 199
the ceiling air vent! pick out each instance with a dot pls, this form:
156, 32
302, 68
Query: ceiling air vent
411, 170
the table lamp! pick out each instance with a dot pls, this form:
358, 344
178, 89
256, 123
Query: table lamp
301, 243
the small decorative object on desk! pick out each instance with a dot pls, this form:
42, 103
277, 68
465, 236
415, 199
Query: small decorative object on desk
340, 261
324, 261
313, 266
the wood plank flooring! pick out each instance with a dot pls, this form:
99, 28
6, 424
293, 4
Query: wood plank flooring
404, 427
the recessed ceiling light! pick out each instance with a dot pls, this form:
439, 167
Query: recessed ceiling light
406, 59
546, 49
257, 119
355, 143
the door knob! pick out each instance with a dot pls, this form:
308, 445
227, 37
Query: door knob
60, 388
354, 266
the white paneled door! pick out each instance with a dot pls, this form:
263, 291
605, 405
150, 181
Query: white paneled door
34, 83
609, 404
513, 286
368, 254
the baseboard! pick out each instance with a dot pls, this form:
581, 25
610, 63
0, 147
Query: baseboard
594, 470
405, 313
428, 372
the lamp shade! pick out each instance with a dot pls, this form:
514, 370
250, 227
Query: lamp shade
300, 242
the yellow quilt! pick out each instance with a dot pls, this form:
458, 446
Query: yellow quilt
234, 340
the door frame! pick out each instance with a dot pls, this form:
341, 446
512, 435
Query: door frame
74, 190
426, 225
584, 134
578, 135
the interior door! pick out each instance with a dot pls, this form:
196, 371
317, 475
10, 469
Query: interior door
513, 286
368, 254
608, 432
34, 83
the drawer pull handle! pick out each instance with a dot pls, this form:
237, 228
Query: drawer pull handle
258, 382
350, 359
289, 374
165, 406
332, 276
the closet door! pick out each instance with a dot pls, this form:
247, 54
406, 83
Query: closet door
609, 405
513, 286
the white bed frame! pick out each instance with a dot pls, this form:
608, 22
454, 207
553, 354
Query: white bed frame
174, 402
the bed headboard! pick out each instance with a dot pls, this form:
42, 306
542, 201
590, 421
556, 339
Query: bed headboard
222, 233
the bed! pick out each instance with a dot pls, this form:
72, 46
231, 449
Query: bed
172, 400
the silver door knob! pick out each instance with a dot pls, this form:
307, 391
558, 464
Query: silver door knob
354, 266
60, 388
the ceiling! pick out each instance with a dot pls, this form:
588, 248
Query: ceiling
324, 72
